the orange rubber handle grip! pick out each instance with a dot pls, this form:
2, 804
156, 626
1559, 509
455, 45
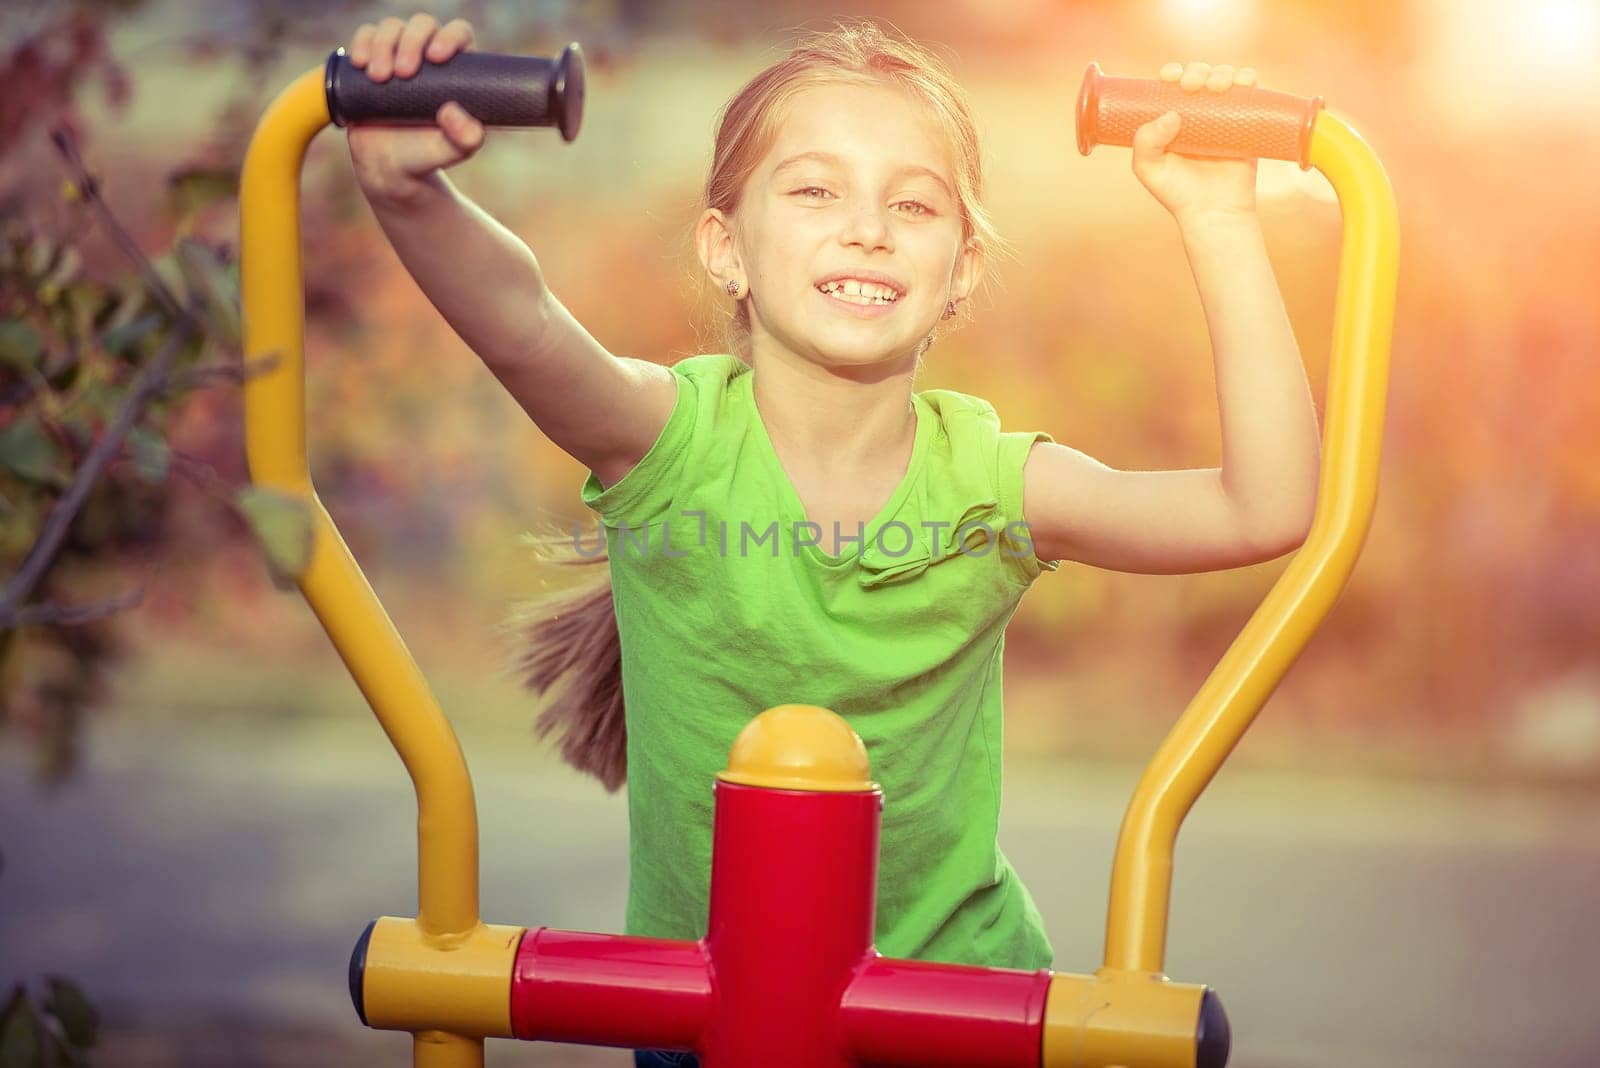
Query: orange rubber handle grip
1241, 122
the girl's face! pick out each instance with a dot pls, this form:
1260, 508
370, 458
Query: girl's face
858, 187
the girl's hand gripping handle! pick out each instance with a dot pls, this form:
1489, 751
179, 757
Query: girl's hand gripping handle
497, 90
1243, 123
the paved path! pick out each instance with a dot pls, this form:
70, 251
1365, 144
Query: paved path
224, 870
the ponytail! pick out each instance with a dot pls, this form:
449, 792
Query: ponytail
572, 634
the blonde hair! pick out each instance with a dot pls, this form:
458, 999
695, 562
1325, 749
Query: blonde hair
574, 634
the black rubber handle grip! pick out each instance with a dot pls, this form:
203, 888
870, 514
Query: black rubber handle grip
495, 89
1241, 122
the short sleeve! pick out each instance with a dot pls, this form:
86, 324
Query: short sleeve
647, 489
1016, 545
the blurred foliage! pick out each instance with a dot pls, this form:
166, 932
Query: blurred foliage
84, 335
57, 1032
104, 344
73, 347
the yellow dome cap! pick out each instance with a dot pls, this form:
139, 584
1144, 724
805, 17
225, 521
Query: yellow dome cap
799, 747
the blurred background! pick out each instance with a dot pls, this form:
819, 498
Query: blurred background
199, 814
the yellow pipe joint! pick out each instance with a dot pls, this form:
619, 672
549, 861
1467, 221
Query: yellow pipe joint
460, 984
1120, 1019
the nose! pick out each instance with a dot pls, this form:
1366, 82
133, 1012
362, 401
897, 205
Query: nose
868, 226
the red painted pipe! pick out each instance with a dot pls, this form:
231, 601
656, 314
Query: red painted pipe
920, 1014
610, 990
787, 976
793, 877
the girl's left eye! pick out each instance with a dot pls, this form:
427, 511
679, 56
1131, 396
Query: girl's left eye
922, 209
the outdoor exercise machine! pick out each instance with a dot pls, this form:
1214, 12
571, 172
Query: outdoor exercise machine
787, 975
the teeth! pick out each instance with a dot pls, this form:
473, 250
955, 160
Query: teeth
858, 292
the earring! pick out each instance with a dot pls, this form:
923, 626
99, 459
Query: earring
949, 310
734, 287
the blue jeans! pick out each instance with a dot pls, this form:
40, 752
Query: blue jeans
661, 1058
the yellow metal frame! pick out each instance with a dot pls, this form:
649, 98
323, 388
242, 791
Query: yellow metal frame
273, 294
1128, 1012
1227, 703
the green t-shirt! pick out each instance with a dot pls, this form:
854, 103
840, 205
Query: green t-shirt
727, 605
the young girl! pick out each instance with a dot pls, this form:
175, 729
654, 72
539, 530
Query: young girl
790, 522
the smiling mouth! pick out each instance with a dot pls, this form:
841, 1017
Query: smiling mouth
866, 295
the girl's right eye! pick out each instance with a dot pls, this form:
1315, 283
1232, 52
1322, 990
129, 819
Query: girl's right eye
808, 190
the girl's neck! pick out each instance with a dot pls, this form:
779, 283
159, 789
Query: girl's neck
841, 419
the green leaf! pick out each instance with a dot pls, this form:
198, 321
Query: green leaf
151, 457
40, 255
84, 301
209, 276
19, 529
192, 188
31, 453
61, 370
93, 403
79, 1020
283, 525
119, 339
22, 1042
64, 270
123, 304
171, 274
20, 344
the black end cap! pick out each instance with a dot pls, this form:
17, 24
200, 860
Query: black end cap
330, 81
358, 972
567, 89
1213, 1038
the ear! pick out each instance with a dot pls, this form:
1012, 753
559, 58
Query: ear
969, 269
713, 238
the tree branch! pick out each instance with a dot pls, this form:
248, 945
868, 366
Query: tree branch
147, 385
90, 191
75, 614
204, 375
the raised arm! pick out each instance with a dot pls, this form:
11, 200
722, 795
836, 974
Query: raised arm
603, 410
1147, 522
1259, 503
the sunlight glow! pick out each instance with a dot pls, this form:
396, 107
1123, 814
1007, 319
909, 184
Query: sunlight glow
1209, 23
1562, 32
1488, 61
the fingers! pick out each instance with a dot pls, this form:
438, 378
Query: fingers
456, 36
1218, 79
432, 150
1221, 77
463, 131
361, 44
394, 160
396, 48
1151, 138
380, 50
408, 54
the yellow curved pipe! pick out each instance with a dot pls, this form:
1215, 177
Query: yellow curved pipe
1227, 703
275, 444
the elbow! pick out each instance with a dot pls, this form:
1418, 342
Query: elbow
1279, 522
1284, 534
1268, 528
